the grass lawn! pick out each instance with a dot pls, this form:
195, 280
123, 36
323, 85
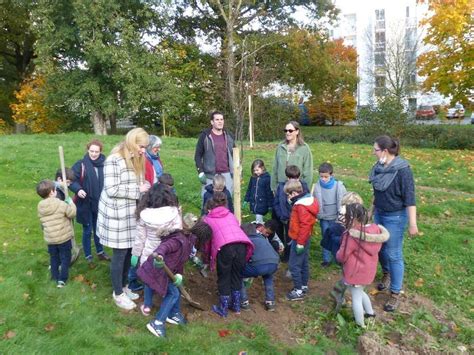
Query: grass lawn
36, 317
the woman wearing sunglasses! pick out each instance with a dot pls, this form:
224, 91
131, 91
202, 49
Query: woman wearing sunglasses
292, 151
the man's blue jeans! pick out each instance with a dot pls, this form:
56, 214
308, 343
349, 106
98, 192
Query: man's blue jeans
391, 254
266, 271
299, 265
325, 224
87, 229
170, 304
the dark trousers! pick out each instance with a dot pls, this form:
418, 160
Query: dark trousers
230, 264
60, 254
119, 269
282, 231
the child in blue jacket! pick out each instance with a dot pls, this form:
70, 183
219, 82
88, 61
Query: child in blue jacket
259, 193
218, 185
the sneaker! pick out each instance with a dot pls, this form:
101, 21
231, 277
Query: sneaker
177, 319
270, 306
245, 305
133, 296
325, 264
384, 284
104, 257
295, 295
305, 290
61, 284
123, 301
392, 303
156, 328
146, 311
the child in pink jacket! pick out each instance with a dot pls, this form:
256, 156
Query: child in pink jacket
358, 254
230, 249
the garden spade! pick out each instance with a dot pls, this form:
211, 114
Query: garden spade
75, 248
185, 294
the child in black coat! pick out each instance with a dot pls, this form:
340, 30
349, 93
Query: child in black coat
259, 193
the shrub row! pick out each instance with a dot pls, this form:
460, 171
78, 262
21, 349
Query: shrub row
420, 136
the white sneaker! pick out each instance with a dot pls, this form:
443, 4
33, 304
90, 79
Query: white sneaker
132, 295
123, 301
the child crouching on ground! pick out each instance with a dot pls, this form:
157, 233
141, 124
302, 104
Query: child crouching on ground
230, 249
302, 219
56, 220
157, 215
358, 254
173, 251
263, 262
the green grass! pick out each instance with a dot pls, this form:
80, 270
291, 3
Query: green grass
82, 318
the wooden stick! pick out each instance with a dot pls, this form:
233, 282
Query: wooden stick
63, 170
251, 122
237, 170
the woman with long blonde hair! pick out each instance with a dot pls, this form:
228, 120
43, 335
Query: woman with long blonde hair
124, 182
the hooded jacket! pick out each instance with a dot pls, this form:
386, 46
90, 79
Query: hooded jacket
55, 216
303, 218
209, 192
225, 230
359, 254
154, 223
205, 156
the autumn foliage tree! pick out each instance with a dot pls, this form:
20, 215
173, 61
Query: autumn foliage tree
30, 109
449, 63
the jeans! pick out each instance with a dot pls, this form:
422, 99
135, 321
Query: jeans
391, 254
170, 304
87, 229
325, 225
148, 296
60, 254
119, 269
266, 271
299, 265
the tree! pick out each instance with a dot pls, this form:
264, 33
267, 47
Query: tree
30, 109
229, 21
448, 64
392, 61
16, 50
94, 57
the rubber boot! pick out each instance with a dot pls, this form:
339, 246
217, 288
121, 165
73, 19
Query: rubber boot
221, 309
236, 302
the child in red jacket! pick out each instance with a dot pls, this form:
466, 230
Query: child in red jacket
302, 219
358, 254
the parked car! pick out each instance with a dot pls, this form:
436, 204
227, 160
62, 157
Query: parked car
455, 112
472, 118
425, 112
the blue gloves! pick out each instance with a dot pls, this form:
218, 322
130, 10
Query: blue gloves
134, 261
202, 178
299, 249
158, 262
178, 280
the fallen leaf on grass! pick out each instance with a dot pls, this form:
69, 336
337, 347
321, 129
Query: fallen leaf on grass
374, 292
49, 327
224, 332
79, 278
419, 282
9, 334
438, 269
2, 279
447, 213
421, 234
26, 296
29, 272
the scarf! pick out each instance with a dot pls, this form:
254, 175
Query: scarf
93, 182
156, 161
382, 176
328, 185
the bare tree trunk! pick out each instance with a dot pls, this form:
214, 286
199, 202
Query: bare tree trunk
100, 123
113, 122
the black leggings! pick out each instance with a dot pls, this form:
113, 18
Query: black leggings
230, 264
119, 269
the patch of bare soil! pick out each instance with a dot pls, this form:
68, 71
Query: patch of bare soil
282, 323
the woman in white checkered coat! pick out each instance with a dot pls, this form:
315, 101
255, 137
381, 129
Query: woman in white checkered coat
124, 172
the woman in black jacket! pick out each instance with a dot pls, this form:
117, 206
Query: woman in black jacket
87, 185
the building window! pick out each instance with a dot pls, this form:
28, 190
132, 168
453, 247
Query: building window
380, 81
380, 14
379, 58
408, 11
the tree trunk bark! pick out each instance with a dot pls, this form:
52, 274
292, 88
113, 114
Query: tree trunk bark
113, 122
100, 123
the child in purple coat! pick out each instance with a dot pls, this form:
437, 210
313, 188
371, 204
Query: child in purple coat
230, 249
